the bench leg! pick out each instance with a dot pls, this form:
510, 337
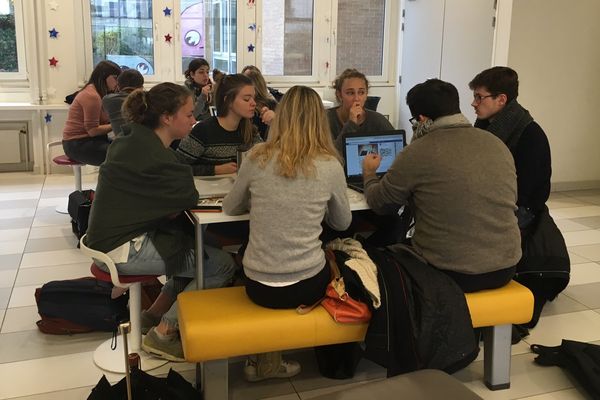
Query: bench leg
496, 356
214, 378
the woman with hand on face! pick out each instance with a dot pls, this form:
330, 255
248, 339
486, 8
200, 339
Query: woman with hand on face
211, 148
85, 135
265, 102
351, 89
198, 81
138, 219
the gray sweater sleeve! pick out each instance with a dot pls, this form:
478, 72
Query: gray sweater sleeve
237, 200
338, 215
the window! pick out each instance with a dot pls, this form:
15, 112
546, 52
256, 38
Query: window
287, 25
12, 49
312, 41
360, 36
209, 30
122, 32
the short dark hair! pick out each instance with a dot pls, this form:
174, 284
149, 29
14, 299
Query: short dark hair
498, 80
433, 98
130, 78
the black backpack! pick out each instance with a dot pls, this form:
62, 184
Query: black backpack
79, 305
80, 204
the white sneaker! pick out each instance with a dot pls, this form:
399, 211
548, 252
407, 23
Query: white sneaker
287, 369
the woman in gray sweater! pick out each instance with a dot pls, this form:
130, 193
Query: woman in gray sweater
289, 184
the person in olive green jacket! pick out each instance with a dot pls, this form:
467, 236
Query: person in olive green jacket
136, 216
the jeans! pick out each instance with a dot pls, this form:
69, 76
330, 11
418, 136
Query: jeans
219, 269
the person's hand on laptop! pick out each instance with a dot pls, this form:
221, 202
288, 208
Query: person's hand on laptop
227, 168
370, 164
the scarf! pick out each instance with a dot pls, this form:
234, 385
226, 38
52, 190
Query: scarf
508, 124
141, 188
446, 121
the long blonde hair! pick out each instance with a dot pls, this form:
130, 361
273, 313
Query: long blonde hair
299, 132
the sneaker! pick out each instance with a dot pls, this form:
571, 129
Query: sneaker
147, 321
168, 348
287, 369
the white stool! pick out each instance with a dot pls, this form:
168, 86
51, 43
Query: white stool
104, 356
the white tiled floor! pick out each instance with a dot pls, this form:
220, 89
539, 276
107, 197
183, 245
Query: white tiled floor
36, 246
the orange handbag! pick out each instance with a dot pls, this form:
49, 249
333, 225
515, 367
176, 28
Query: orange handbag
337, 301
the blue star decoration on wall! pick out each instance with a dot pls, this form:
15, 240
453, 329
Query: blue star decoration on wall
251, 48
48, 118
252, 27
167, 11
53, 33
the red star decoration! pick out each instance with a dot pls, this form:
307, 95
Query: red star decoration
53, 62
168, 38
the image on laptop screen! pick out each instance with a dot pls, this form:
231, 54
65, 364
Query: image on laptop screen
386, 144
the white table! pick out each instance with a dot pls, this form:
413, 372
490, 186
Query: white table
357, 203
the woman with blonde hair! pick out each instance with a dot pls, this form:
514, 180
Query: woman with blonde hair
265, 102
289, 184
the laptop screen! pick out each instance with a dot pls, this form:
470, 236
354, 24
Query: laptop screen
387, 144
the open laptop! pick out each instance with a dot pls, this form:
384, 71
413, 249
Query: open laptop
357, 145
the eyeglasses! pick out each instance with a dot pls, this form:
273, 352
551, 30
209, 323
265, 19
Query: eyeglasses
477, 98
414, 121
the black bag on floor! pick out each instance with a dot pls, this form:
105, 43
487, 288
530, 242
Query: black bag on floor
146, 387
582, 360
80, 204
79, 305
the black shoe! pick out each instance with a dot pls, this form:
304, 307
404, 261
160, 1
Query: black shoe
518, 333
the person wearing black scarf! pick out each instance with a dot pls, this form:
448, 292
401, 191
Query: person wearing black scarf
495, 92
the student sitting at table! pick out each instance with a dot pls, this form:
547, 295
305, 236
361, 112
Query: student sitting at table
127, 82
137, 214
85, 135
198, 81
265, 102
351, 90
211, 148
289, 184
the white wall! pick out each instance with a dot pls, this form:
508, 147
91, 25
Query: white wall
554, 48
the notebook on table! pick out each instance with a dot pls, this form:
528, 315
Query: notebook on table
357, 145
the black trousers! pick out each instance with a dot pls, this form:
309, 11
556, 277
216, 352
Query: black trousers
305, 292
90, 150
490, 280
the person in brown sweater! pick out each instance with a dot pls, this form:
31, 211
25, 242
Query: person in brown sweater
85, 135
460, 182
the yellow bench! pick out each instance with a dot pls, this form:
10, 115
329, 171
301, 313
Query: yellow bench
217, 324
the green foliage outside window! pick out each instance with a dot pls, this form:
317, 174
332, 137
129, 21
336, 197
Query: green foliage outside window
8, 44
